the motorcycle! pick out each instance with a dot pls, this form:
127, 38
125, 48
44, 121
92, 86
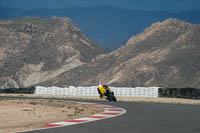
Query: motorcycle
104, 90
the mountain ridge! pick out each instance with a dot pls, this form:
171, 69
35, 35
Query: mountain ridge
167, 57
119, 26
34, 50
54, 52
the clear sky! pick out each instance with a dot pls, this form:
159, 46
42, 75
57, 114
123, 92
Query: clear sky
166, 5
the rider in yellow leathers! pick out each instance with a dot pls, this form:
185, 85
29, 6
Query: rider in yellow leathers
102, 90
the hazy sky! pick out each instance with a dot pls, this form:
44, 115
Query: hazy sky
167, 5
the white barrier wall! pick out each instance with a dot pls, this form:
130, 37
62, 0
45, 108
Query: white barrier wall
92, 91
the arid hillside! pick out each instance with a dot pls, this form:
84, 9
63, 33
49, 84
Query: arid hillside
166, 54
35, 50
54, 52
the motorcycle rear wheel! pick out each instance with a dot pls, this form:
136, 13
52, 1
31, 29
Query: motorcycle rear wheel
111, 97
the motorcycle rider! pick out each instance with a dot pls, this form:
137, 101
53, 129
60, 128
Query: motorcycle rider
102, 90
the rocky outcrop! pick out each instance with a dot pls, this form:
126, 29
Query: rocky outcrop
166, 54
35, 50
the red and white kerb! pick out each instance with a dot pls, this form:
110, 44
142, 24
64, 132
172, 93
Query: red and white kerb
109, 111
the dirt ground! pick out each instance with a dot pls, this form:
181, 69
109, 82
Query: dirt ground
18, 115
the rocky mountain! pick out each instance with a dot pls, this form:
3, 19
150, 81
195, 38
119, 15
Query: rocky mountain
35, 50
108, 26
166, 54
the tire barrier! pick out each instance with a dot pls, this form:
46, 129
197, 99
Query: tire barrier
188, 93
85, 91
30, 90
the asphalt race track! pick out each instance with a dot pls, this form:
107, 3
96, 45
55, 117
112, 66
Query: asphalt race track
140, 118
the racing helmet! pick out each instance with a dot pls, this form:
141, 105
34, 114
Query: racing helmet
99, 83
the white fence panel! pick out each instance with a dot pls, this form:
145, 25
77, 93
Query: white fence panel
92, 91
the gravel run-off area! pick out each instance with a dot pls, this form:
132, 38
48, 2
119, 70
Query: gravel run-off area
19, 115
